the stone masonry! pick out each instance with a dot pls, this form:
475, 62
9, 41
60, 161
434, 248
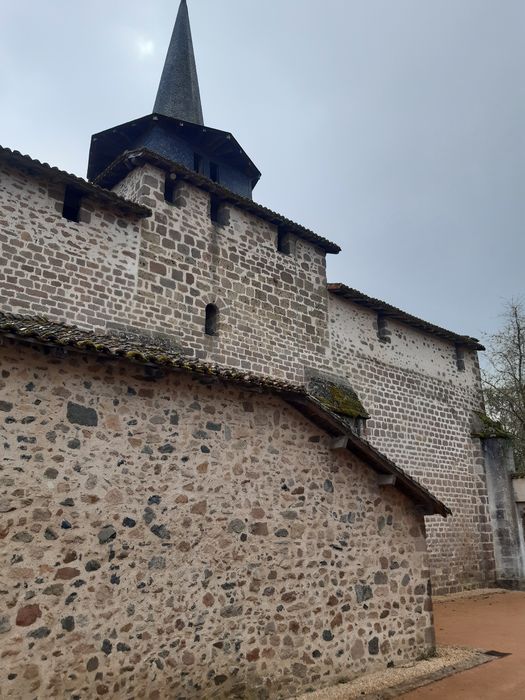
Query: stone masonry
166, 536
422, 408
157, 274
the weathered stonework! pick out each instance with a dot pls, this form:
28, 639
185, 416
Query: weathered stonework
156, 275
196, 539
421, 409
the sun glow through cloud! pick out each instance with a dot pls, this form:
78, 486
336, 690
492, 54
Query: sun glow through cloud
145, 47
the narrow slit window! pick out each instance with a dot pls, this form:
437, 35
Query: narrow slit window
72, 202
214, 172
211, 323
460, 358
197, 162
284, 241
170, 185
383, 332
219, 213
215, 206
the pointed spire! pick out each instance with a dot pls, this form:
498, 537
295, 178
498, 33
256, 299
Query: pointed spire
178, 95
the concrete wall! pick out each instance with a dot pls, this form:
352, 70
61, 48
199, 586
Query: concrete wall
176, 538
421, 414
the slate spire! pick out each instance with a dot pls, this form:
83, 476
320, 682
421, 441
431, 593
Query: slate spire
178, 95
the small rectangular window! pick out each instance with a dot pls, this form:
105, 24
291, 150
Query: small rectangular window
460, 358
383, 332
197, 163
219, 213
284, 241
72, 202
215, 206
169, 189
214, 172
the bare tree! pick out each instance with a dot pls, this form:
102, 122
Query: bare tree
504, 378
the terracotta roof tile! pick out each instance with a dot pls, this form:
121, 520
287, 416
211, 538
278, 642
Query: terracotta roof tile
134, 347
52, 173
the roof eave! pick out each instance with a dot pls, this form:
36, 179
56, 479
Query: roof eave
114, 172
43, 332
331, 423
389, 311
54, 174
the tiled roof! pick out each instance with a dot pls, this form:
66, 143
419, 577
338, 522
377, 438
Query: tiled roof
52, 173
390, 311
116, 171
161, 353
130, 346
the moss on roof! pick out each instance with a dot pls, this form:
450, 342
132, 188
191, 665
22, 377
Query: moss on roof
337, 397
337, 404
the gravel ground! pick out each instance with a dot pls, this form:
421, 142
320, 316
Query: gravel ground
474, 593
381, 681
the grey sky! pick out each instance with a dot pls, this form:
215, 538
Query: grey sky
393, 127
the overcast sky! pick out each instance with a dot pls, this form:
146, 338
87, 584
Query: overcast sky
394, 127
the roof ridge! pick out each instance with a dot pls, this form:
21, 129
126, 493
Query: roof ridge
357, 297
24, 160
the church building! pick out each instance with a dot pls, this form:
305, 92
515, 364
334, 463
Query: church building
221, 475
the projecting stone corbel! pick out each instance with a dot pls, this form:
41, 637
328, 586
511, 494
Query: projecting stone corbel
340, 443
386, 480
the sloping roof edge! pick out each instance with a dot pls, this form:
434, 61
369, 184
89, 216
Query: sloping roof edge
133, 347
396, 314
20, 160
120, 167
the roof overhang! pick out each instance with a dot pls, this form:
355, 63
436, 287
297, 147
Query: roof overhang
52, 174
389, 311
107, 146
164, 355
128, 160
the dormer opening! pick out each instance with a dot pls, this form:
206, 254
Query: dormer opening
72, 203
284, 241
211, 322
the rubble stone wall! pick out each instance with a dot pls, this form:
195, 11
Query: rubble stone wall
163, 536
421, 408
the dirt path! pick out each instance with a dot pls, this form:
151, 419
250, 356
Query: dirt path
491, 622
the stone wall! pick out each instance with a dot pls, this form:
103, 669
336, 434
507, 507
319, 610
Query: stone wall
158, 274
164, 536
272, 306
82, 272
421, 408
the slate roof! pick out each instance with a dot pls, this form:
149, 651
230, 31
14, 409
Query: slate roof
162, 353
396, 314
178, 95
119, 168
19, 160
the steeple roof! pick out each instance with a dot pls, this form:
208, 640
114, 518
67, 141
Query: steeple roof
178, 95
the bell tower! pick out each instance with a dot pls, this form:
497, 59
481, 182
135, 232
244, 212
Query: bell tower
175, 131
